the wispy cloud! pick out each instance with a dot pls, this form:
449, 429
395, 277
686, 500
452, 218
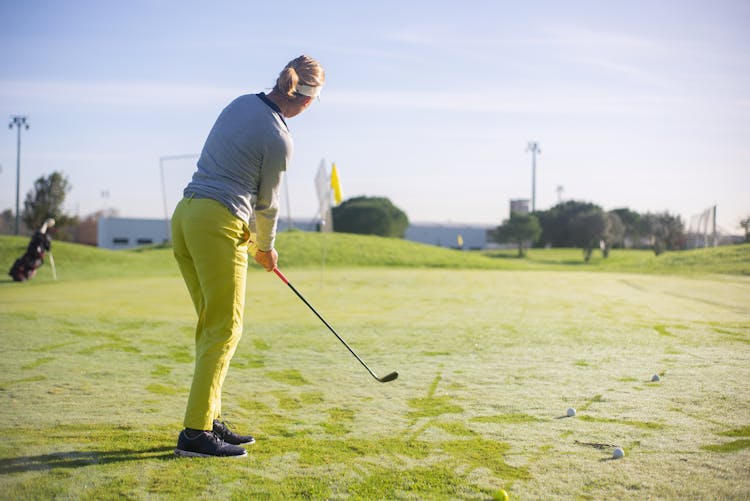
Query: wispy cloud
415, 36
661, 62
569, 35
512, 102
69, 94
628, 72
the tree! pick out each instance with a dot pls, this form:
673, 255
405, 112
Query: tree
631, 223
555, 222
745, 225
614, 232
87, 230
45, 201
521, 229
7, 221
666, 231
370, 216
588, 230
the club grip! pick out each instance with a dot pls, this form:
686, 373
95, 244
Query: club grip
281, 275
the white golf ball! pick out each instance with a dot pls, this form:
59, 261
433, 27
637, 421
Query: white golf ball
619, 453
655, 378
571, 412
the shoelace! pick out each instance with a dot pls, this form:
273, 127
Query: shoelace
217, 439
214, 437
224, 428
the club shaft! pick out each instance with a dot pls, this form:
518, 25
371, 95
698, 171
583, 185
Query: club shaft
286, 281
52, 264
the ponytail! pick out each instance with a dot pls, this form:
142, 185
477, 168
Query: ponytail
303, 70
287, 82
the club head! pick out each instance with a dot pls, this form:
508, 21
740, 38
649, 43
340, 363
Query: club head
388, 377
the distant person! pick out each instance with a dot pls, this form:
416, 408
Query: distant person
234, 193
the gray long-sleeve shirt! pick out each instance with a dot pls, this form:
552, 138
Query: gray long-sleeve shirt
242, 163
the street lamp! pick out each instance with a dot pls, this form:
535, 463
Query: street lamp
19, 122
534, 149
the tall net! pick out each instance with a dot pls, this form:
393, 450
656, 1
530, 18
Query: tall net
702, 229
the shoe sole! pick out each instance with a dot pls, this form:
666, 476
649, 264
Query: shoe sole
190, 454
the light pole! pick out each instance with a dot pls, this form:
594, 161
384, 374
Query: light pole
534, 149
105, 196
19, 122
164, 186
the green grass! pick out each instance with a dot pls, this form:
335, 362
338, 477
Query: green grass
491, 351
313, 250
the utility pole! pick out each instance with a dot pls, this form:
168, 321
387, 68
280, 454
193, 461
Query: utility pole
715, 239
18, 121
559, 191
534, 148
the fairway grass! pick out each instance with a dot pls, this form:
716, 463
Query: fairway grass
95, 373
336, 250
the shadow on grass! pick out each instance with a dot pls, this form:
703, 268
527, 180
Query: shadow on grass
563, 262
78, 459
493, 255
554, 262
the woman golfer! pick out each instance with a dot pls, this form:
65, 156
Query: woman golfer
233, 193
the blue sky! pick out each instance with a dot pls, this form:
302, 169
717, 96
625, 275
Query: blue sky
639, 104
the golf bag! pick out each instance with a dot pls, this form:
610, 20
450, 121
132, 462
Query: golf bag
25, 266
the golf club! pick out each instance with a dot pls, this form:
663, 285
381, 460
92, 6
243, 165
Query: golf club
384, 379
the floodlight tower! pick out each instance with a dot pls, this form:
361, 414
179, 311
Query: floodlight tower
534, 148
19, 122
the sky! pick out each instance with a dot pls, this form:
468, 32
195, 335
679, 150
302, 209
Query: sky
641, 104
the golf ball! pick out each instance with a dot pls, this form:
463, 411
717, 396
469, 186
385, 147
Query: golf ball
501, 495
655, 378
571, 412
618, 453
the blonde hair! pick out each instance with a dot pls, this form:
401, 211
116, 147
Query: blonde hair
303, 70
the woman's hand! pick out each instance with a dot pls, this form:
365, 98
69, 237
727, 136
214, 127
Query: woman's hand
267, 259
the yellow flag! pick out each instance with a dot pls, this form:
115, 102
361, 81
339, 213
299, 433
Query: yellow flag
460, 241
336, 185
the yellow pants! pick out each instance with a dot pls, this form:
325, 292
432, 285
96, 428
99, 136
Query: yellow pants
210, 246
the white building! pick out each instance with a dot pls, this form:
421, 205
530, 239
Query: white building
519, 205
125, 233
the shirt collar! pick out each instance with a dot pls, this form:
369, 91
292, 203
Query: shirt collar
272, 105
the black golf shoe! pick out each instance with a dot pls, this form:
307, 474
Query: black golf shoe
198, 443
230, 437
